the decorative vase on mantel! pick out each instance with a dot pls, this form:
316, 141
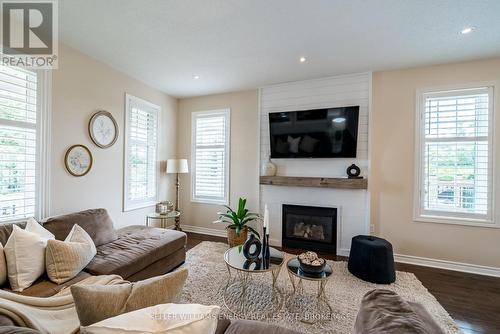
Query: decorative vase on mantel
268, 168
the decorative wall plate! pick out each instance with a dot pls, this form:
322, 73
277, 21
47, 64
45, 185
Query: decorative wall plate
78, 160
103, 129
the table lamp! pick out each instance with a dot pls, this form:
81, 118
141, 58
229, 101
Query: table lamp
177, 166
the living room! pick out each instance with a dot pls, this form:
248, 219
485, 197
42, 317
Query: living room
266, 166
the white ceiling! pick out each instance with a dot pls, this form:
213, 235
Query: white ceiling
241, 44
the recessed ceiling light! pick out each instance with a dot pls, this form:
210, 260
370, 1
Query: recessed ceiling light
467, 30
196, 76
302, 59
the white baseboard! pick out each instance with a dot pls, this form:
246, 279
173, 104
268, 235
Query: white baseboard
448, 265
409, 259
343, 252
203, 230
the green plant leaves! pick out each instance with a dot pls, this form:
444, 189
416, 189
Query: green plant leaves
239, 218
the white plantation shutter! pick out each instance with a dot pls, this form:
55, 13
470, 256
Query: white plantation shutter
141, 153
456, 160
18, 143
210, 156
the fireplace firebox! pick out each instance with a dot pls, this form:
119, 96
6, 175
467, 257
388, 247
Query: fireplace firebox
310, 228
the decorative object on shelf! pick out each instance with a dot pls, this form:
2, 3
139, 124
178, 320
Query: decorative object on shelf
78, 160
311, 263
266, 255
268, 168
252, 248
164, 207
237, 230
177, 166
353, 172
103, 129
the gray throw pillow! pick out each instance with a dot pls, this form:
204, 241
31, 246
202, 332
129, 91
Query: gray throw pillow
98, 302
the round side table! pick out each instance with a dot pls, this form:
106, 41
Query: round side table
244, 298
163, 218
297, 301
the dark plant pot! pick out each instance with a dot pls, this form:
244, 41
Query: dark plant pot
233, 239
309, 269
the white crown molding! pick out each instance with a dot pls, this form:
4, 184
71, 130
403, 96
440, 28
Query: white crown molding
448, 265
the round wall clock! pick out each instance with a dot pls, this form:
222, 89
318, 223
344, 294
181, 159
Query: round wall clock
78, 160
103, 129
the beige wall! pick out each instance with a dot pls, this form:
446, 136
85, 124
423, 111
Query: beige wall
392, 160
82, 86
244, 170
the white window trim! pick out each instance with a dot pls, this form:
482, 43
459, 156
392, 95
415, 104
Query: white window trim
493, 221
44, 131
227, 113
43, 149
135, 205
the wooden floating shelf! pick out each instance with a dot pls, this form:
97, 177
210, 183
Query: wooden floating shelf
319, 182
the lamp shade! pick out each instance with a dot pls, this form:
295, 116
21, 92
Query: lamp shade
177, 166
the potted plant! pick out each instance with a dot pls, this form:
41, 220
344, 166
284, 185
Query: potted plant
237, 230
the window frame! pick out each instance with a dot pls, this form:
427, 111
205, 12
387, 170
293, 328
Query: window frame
43, 149
130, 205
226, 112
420, 215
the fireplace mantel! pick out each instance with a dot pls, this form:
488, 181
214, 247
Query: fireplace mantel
319, 182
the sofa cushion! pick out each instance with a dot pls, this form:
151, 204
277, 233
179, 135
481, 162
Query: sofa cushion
96, 222
136, 248
6, 230
238, 326
25, 258
384, 311
95, 303
43, 287
65, 259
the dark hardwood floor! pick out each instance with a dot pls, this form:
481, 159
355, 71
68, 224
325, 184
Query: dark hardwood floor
473, 301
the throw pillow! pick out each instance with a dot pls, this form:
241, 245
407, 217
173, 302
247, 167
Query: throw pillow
98, 302
25, 255
293, 144
34, 227
164, 318
3, 267
65, 259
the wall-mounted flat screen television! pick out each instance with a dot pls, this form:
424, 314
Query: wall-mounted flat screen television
317, 133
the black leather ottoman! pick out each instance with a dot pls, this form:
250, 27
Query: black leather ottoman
371, 259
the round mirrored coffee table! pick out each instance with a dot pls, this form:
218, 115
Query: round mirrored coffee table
310, 307
245, 297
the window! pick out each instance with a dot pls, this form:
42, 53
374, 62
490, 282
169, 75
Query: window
141, 138
22, 149
210, 156
455, 160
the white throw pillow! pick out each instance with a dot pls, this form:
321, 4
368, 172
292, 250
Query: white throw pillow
25, 255
33, 227
3, 266
163, 318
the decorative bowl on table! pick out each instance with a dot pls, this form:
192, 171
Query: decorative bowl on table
310, 263
164, 208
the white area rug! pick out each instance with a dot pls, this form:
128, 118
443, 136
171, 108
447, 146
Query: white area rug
208, 276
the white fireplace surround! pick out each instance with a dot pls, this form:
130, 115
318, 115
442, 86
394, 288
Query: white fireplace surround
352, 204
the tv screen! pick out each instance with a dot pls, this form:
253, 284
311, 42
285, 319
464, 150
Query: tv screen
318, 133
